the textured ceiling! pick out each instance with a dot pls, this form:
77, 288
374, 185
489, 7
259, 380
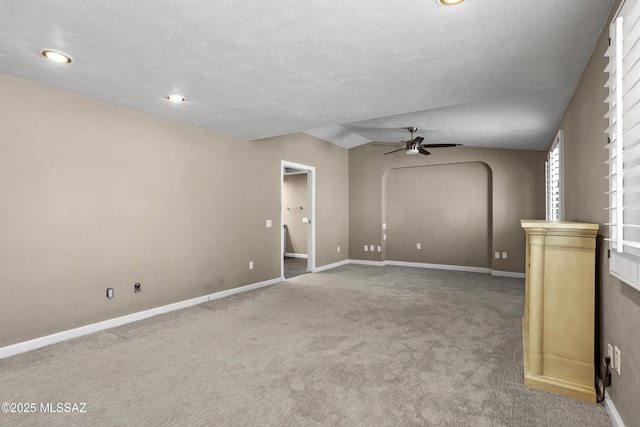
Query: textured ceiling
486, 73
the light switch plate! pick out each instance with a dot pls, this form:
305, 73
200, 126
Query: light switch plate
268, 223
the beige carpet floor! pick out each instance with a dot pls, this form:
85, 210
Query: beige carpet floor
353, 346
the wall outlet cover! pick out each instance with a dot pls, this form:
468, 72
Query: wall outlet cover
366, 248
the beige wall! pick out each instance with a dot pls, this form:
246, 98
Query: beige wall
517, 188
95, 196
619, 305
296, 207
431, 205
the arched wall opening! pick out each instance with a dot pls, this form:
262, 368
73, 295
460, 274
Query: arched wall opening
444, 209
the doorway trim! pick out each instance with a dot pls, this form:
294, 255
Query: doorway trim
311, 229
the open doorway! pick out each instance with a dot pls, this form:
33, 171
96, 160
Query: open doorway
297, 219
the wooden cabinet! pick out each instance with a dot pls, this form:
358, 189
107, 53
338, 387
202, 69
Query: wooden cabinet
559, 313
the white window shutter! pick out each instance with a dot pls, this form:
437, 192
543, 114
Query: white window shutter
554, 184
624, 143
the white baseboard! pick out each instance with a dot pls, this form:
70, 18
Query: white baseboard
612, 412
294, 255
245, 288
507, 274
439, 266
403, 264
367, 262
330, 266
36, 343
614, 416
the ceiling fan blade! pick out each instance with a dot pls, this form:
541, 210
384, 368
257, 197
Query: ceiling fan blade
395, 151
440, 145
417, 140
423, 151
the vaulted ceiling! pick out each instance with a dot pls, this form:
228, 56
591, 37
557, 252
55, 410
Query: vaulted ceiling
485, 73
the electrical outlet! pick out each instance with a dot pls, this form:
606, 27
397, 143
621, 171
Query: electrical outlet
384, 225
504, 255
616, 360
384, 237
338, 248
418, 245
250, 265
610, 353
109, 293
366, 248
379, 248
497, 255
371, 248
269, 223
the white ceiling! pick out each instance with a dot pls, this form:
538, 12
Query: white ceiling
486, 73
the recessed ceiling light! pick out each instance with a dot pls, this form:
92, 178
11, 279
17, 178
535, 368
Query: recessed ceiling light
59, 57
176, 98
450, 2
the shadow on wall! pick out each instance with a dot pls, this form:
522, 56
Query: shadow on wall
445, 209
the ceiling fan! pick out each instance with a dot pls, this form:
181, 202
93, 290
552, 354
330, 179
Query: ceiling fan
415, 145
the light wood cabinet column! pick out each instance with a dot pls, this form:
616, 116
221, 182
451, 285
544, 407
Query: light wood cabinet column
536, 301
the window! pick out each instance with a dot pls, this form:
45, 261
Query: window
554, 191
624, 143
